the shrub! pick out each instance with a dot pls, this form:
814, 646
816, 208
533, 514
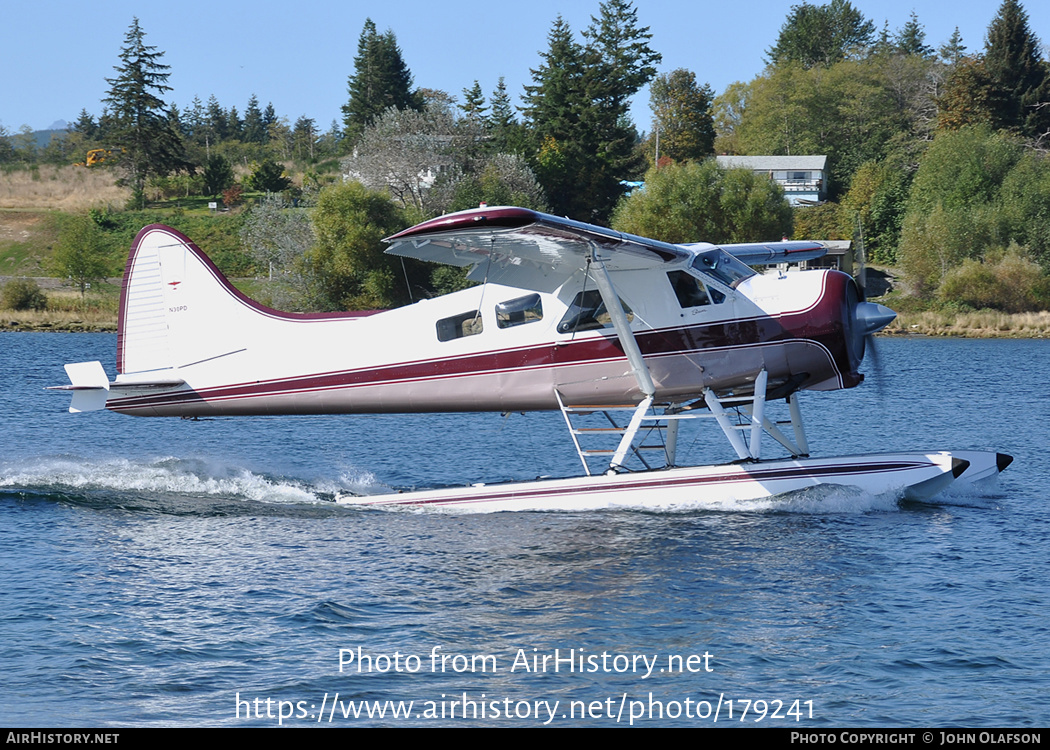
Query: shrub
1008, 281
23, 294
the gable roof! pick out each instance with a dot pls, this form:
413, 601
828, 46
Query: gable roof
774, 163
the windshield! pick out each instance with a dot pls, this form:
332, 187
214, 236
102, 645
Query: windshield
722, 266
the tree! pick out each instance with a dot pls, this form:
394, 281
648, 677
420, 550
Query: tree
821, 35
1018, 80
268, 177
381, 80
952, 50
140, 125
304, 138
727, 112
953, 212
404, 151
911, 39
965, 100
506, 134
253, 130
846, 111
583, 140
218, 175
700, 201
473, 105
279, 238
80, 253
682, 115
347, 264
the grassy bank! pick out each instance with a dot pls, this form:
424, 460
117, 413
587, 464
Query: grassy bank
66, 188
981, 324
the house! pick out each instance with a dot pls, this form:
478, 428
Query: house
804, 178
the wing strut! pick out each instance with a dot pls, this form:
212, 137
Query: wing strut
630, 348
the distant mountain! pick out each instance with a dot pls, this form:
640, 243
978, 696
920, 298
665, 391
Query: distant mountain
59, 125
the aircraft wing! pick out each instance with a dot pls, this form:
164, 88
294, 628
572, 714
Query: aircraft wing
527, 249
759, 253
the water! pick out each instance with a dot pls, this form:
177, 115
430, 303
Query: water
156, 572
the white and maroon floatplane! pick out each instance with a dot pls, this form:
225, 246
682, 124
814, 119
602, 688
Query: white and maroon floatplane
568, 317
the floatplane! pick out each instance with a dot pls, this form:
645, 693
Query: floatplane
568, 317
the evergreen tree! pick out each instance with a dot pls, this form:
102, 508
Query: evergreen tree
218, 175
507, 135
554, 104
304, 137
194, 120
584, 142
820, 35
269, 119
86, 125
234, 125
474, 103
215, 121
952, 50
911, 40
140, 124
1018, 78
253, 130
380, 80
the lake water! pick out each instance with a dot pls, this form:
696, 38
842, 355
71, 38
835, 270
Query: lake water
167, 572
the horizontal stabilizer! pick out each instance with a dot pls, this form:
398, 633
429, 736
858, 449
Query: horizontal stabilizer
90, 386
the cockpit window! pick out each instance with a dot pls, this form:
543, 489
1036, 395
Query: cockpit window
689, 290
722, 266
458, 326
587, 313
516, 312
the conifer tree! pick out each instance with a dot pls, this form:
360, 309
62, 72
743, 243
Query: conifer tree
380, 80
473, 105
577, 108
140, 123
1018, 78
911, 39
952, 50
253, 129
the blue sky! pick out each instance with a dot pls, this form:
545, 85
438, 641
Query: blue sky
56, 54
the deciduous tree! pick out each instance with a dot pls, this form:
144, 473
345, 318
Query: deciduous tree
80, 253
682, 116
700, 201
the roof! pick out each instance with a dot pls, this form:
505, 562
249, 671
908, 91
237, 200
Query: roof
773, 163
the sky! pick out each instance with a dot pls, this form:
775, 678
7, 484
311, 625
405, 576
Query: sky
57, 54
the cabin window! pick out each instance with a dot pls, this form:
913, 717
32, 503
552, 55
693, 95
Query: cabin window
516, 312
689, 290
587, 313
722, 266
458, 326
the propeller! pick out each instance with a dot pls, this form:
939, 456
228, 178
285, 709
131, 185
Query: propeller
868, 318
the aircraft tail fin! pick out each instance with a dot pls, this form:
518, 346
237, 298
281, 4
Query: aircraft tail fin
176, 307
